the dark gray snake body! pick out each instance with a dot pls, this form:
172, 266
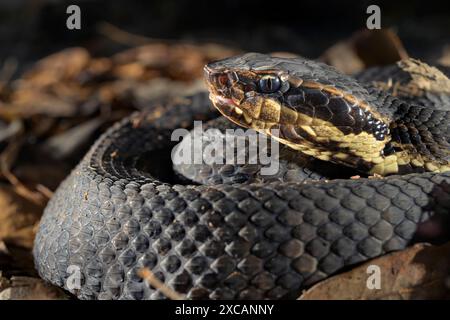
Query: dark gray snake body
122, 210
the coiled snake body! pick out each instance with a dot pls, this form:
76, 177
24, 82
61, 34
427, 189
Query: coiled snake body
121, 210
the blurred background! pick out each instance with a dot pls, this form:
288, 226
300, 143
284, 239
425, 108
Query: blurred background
31, 29
60, 89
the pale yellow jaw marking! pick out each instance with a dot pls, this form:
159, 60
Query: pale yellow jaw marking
409, 156
238, 110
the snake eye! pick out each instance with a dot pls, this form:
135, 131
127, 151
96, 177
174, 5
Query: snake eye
269, 84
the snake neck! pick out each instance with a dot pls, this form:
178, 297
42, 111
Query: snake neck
419, 139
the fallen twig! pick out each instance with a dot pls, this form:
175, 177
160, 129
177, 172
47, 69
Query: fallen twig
149, 276
6, 159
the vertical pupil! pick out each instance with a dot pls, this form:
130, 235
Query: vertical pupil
269, 84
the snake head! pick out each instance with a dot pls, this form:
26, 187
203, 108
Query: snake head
243, 93
316, 109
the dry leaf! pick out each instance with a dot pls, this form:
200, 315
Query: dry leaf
445, 58
63, 65
414, 78
28, 288
378, 47
364, 49
18, 217
419, 272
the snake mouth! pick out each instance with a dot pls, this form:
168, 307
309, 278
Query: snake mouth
220, 83
231, 110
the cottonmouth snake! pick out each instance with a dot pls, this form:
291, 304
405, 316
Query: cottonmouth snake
122, 208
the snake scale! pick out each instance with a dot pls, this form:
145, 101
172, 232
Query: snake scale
123, 209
